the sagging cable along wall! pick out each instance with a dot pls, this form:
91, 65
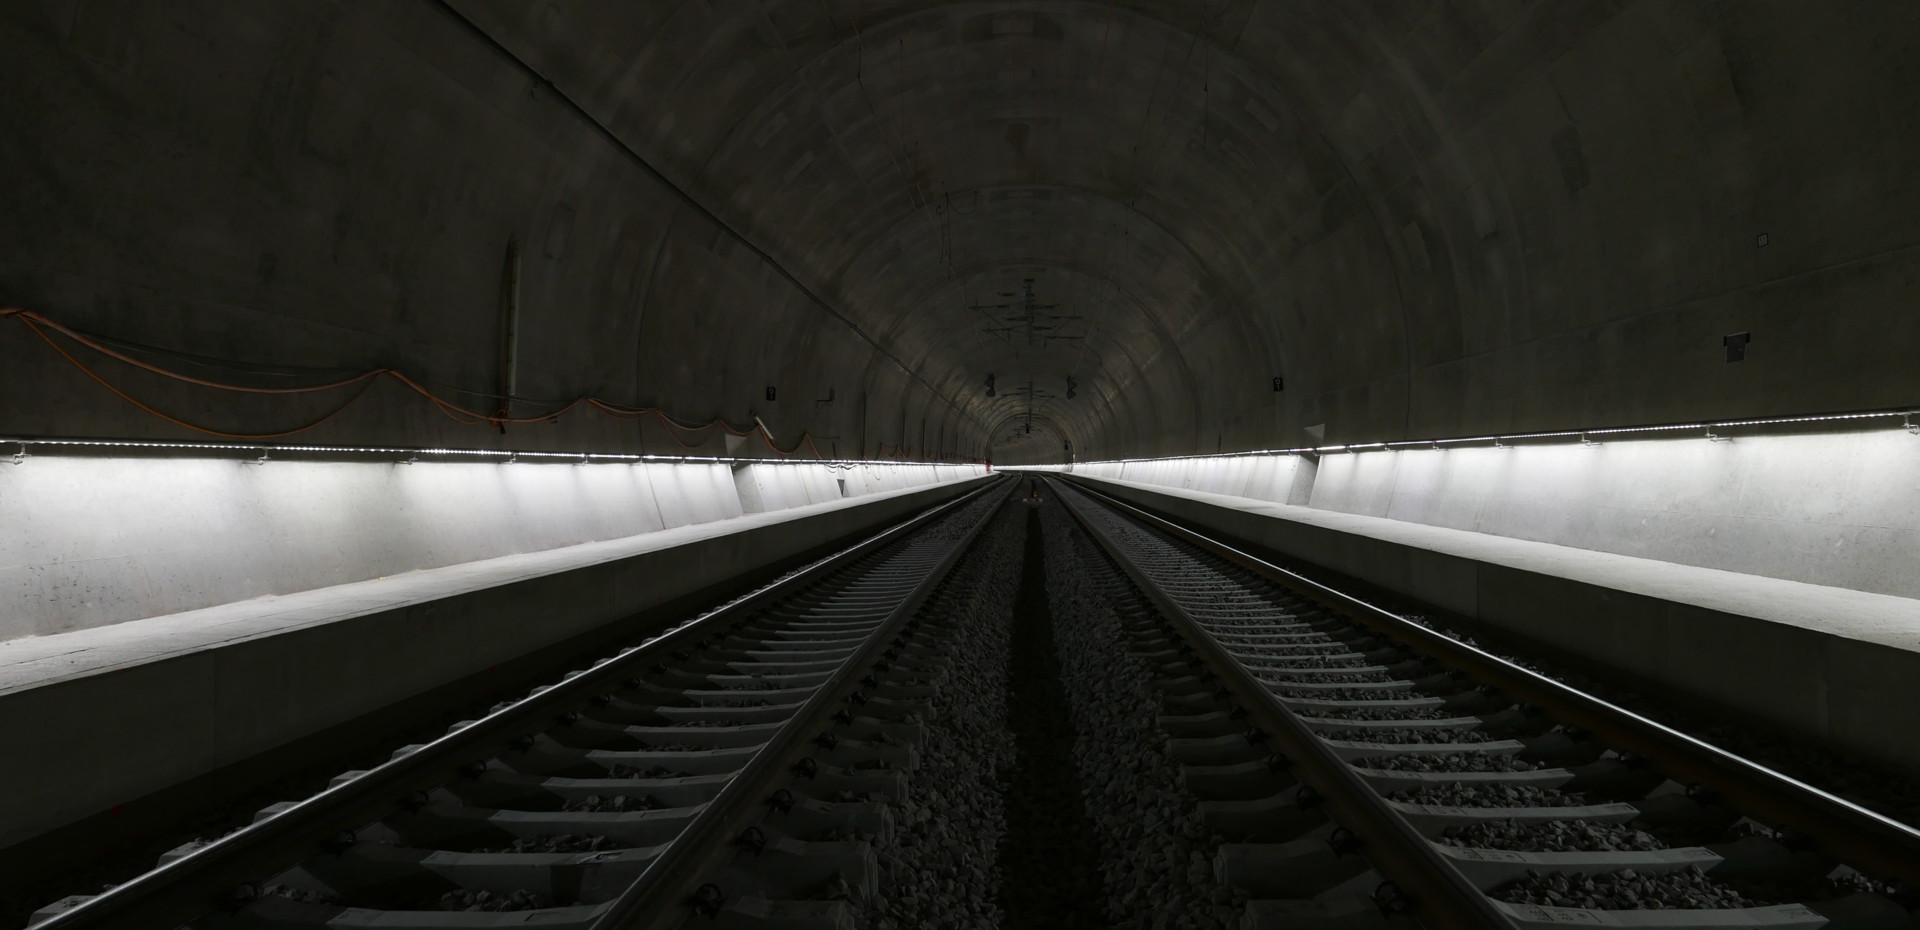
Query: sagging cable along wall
1838, 507
44, 327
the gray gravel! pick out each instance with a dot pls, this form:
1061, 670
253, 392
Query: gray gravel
613, 804
558, 843
1687, 889
1349, 694
1268, 673
1460, 794
298, 894
1265, 639
937, 864
1377, 713
1264, 659
1807, 888
1552, 836
1246, 613
461, 899
652, 771
1158, 863
1446, 762
1411, 735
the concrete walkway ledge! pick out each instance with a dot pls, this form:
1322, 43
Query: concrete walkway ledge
108, 714
1833, 664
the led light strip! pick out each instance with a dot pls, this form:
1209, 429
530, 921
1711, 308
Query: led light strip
503, 456
1706, 427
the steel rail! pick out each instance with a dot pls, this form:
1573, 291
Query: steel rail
226, 873
662, 896
1875, 844
1436, 892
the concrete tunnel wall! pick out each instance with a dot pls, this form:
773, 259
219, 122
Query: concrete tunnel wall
181, 711
91, 542
1430, 219
1837, 509
1427, 219
277, 194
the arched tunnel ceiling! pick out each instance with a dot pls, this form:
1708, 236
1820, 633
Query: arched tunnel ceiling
1354, 196
1430, 218
943, 156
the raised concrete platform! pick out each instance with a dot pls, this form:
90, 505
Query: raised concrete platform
92, 540
112, 713
1834, 664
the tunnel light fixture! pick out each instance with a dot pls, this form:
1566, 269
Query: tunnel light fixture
258, 454
1587, 437
1670, 427
1557, 434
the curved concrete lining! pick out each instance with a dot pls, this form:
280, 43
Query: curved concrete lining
1428, 219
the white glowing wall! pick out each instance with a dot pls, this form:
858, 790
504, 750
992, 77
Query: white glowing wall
1836, 509
1840, 509
92, 541
762, 488
1277, 478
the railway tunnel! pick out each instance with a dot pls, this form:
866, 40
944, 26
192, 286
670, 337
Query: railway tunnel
894, 463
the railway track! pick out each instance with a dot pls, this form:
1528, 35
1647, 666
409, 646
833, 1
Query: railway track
1130, 725
729, 769
1360, 768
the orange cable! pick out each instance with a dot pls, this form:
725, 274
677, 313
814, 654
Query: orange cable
30, 318
459, 414
179, 422
667, 426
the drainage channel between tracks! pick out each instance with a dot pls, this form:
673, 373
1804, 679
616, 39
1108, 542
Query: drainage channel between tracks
1367, 771
725, 771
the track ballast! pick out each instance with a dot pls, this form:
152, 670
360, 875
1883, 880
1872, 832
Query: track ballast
1373, 769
